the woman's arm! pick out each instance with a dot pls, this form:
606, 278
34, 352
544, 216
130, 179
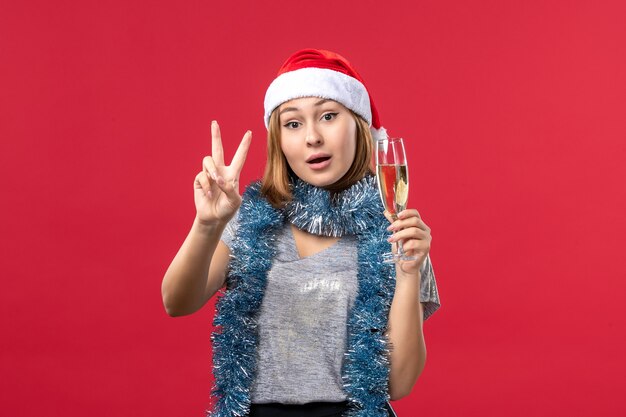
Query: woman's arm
405, 331
406, 317
199, 268
197, 271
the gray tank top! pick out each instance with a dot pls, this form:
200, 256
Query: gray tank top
303, 319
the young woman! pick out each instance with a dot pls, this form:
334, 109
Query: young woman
310, 322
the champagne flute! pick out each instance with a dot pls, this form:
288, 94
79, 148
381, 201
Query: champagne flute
393, 185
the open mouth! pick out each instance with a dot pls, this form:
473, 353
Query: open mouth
318, 160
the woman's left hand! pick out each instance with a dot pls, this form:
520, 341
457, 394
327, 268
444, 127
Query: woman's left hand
415, 236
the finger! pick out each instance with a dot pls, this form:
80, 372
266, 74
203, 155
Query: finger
409, 213
230, 188
217, 150
409, 222
242, 152
208, 165
412, 245
388, 216
202, 182
409, 233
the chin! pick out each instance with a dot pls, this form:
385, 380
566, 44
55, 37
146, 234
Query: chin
319, 180
317, 183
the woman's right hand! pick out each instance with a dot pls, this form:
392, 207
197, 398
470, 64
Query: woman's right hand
216, 187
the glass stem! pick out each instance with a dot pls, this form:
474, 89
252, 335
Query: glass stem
400, 249
394, 217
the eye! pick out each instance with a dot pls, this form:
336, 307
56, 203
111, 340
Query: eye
332, 116
290, 125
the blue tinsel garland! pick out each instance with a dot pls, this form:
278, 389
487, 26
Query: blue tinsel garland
357, 210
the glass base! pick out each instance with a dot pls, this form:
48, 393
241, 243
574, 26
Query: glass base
391, 258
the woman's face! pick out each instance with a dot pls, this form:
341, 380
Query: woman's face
318, 138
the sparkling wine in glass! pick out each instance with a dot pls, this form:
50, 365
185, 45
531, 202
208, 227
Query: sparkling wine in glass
393, 185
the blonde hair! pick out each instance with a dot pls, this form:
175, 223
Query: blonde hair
275, 182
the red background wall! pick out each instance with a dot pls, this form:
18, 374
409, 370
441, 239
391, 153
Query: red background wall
514, 116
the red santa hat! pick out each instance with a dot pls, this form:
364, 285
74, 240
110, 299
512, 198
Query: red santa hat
324, 74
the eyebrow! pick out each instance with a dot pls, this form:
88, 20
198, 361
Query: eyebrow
286, 109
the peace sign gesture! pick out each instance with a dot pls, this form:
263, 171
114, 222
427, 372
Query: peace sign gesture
216, 187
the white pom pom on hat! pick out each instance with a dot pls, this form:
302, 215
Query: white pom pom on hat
325, 74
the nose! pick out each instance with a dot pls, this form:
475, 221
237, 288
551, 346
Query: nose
313, 137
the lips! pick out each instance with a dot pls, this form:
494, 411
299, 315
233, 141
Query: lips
318, 163
317, 158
